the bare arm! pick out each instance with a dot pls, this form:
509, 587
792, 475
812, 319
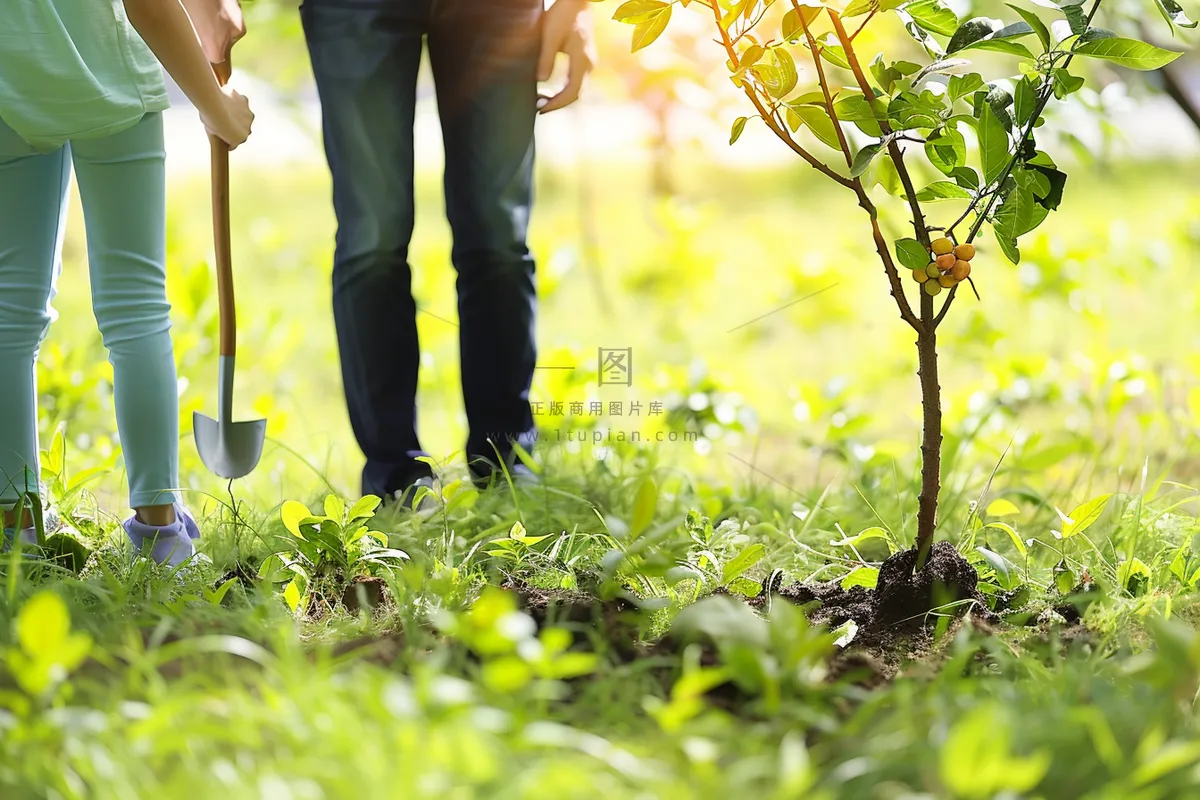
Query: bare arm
167, 30
566, 28
219, 24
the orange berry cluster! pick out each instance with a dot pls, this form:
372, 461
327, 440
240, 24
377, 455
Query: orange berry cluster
949, 265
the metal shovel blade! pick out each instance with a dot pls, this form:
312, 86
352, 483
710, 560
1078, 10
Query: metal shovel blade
229, 449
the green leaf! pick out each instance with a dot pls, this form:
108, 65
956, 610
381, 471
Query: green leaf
961, 86
792, 28
1017, 215
1003, 567
853, 108
43, 624
1012, 534
1025, 101
1093, 34
638, 11
1035, 22
907, 111
1008, 245
1173, 13
293, 514
864, 536
644, 505
786, 67
335, 508
933, 16
966, 178
887, 75
1064, 578
1002, 508
738, 565
1085, 516
943, 190
833, 53
1179, 562
922, 36
978, 760
1133, 576
993, 144
1005, 46
1076, 18
942, 66
1000, 101
645, 33
846, 633
364, 508
291, 594
862, 160
1056, 181
912, 253
867, 577
817, 120
888, 176
1065, 83
980, 30
739, 125
1128, 53
752, 55
856, 8
946, 151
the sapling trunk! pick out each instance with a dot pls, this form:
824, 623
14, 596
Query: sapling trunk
931, 436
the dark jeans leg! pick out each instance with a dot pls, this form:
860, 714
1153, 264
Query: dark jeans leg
365, 57
484, 57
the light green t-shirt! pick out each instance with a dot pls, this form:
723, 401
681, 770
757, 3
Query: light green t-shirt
74, 69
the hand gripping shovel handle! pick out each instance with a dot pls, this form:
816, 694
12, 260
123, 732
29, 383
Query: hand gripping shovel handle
220, 214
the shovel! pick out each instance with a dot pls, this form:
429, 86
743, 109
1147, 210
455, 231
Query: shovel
229, 449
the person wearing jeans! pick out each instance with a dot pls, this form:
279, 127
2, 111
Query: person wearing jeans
487, 57
81, 86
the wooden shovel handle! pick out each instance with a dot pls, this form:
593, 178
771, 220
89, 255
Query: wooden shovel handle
220, 214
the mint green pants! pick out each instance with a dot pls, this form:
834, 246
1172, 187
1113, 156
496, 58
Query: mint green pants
122, 185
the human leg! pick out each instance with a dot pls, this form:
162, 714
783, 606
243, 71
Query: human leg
33, 190
365, 58
484, 58
122, 186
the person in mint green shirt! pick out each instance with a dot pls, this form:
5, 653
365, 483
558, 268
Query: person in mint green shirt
81, 86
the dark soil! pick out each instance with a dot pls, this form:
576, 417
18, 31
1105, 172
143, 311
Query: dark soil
893, 618
364, 594
244, 574
616, 623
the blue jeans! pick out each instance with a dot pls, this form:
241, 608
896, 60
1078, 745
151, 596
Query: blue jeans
122, 185
365, 57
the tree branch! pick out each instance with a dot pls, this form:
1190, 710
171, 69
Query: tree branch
864, 24
816, 55
767, 117
893, 148
864, 200
1047, 93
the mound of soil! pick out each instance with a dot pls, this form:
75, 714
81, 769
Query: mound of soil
902, 598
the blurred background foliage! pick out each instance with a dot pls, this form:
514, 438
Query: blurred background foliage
744, 287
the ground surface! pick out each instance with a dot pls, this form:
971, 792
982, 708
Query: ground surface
678, 618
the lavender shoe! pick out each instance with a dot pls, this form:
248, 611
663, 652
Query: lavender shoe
171, 544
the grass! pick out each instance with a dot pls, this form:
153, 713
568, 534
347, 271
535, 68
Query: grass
622, 656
